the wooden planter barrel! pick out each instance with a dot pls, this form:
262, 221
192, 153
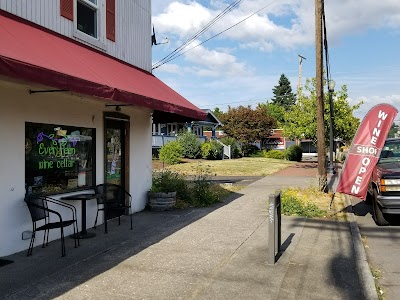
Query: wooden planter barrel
162, 201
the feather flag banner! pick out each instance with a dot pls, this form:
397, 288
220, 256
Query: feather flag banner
365, 150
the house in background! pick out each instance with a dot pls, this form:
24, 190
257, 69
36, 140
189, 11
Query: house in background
211, 122
276, 141
77, 98
164, 132
217, 134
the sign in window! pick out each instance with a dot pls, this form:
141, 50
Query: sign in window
58, 158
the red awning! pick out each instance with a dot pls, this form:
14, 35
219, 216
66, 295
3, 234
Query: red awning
32, 53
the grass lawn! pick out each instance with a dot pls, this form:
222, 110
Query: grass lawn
246, 166
258, 166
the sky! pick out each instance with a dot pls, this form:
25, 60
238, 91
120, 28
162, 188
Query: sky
241, 65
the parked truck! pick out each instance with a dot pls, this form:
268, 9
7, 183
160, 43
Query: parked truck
384, 187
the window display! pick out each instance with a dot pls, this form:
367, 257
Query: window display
58, 158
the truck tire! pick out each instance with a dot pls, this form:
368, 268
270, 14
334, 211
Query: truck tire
379, 217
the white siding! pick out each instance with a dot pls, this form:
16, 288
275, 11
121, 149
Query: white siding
59, 108
133, 26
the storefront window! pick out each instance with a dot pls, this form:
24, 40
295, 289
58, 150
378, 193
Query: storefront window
58, 158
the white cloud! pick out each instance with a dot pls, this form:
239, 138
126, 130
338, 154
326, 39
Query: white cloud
209, 63
285, 25
183, 18
215, 62
371, 101
158, 6
346, 17
171, 68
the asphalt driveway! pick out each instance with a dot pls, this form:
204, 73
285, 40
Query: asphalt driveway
238, 180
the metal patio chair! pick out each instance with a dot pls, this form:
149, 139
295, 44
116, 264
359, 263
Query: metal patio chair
113, 198
41, 213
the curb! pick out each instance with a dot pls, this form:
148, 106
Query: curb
362, 265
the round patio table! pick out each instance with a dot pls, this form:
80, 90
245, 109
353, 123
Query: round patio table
83, 198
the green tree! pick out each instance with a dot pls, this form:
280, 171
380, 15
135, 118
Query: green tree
393, 132
301, 120
247, 125
217, 112
276, 111
283, 95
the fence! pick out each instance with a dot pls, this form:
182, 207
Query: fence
226, 150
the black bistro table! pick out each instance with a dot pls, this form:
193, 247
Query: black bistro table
83, 197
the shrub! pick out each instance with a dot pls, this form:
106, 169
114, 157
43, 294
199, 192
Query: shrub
211, 150
294, 153
201, 190
171, 153
235, 149
295, 206
205, 149
258, 153
277, 154
169, 181
190, 145
249, 149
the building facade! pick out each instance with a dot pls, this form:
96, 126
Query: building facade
78, 99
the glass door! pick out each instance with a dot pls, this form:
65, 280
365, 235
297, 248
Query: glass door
115, 152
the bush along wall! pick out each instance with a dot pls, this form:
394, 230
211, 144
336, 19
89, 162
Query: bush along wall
294, 153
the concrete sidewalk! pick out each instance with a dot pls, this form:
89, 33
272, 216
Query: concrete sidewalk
211, 253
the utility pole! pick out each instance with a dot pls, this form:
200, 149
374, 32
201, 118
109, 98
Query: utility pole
320, 97
300, 75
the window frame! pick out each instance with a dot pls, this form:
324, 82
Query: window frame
98, 41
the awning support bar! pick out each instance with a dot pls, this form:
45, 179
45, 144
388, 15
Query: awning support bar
46, 91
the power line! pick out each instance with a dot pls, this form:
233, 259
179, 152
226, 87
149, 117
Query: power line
193, 37
172, 57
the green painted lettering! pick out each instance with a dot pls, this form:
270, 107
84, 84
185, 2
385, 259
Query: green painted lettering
45, 164
42, 149
65, 163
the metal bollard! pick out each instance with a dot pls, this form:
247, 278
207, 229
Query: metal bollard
274, 226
